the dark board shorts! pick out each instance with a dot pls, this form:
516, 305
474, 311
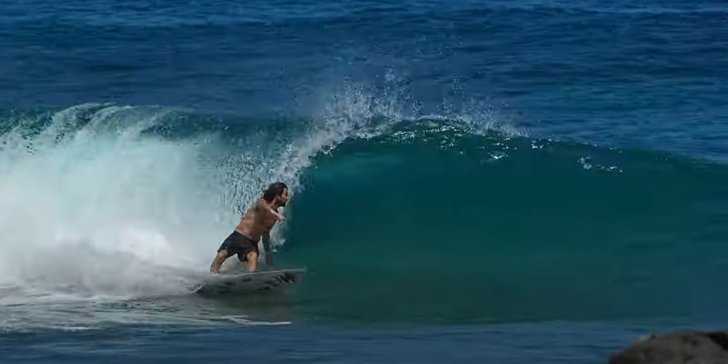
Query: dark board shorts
237, 243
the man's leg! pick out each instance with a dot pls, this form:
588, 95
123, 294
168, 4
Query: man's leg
252, 258
217, 262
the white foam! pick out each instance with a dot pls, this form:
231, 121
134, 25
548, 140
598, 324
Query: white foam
100, 209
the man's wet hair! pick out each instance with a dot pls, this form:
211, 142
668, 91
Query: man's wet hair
275, 189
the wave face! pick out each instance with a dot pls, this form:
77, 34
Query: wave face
397, 218
434, 223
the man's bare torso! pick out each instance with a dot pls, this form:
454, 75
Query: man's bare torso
257, 221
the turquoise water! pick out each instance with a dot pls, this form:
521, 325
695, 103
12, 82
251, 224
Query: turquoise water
549, 231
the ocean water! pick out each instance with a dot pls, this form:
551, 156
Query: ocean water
472, 181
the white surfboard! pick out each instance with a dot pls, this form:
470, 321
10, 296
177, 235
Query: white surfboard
238, 283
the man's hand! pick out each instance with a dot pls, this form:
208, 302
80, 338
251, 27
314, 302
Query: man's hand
268, 258
268, 252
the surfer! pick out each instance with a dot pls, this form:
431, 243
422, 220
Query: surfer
256, 223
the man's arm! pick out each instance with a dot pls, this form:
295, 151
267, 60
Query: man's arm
266, 246
276, 214
266, 207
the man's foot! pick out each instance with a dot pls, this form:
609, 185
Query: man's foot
217, 262
252, 259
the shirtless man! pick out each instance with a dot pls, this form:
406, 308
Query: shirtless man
256, 223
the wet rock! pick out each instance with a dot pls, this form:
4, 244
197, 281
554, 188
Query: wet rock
677, 348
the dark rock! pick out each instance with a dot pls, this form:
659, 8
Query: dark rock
677, 348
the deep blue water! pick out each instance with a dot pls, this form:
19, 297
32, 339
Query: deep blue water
474, 181
555, 343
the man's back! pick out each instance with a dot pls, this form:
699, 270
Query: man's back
256, 221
